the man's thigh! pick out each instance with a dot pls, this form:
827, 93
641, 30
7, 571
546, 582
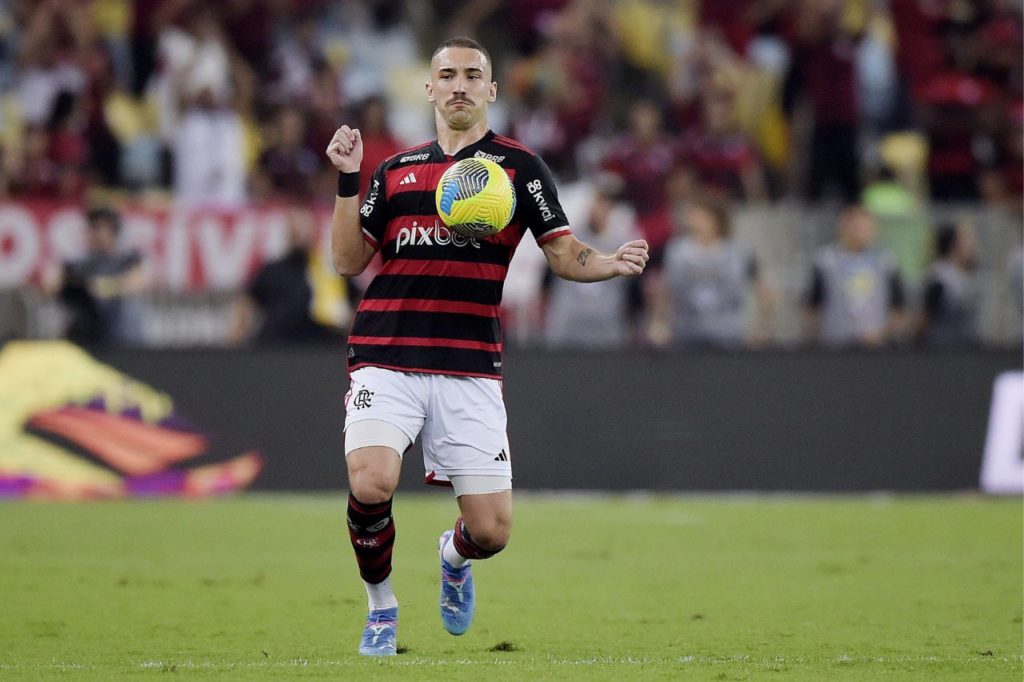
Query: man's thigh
464, 433
379, 395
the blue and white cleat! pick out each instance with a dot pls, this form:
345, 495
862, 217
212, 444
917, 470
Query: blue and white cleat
379, 637
458, 601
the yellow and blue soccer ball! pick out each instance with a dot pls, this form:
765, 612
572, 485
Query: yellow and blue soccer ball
475, 198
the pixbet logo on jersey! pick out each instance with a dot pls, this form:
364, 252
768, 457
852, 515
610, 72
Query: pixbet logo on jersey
431, 235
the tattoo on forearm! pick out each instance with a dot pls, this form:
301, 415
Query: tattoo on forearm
584, 255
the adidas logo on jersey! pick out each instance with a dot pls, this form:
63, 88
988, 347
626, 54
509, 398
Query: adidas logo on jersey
408, 179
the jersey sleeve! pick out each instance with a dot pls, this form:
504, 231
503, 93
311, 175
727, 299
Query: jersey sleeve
373, 212
537, 202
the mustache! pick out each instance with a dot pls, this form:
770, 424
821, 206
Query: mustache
454, 100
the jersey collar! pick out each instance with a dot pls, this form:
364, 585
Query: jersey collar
466, 151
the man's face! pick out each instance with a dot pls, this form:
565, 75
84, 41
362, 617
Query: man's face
702, 225
645, 121
460, 86
857, 230
101, 237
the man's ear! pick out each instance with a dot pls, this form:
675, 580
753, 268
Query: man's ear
492, 93
430, 92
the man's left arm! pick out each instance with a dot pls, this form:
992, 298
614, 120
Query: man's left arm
571, 259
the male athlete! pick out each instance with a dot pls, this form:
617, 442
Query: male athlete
425, 346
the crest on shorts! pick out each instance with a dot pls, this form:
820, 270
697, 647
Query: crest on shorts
362, 398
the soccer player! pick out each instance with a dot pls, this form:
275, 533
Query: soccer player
424, 351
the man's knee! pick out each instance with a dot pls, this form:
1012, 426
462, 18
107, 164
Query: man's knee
490, 534
373, 474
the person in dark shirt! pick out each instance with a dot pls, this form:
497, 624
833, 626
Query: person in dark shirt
282, 293
723, 160
824, 67
950, 308
99, 291
644, 160
288, 167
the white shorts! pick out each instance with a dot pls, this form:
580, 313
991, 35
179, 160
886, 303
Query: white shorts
461, 423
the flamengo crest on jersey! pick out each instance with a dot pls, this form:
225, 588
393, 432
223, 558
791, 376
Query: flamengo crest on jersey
433, 306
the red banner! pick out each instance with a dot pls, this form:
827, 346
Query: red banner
183, 249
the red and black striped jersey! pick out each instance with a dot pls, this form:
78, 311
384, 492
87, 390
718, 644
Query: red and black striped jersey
433, 307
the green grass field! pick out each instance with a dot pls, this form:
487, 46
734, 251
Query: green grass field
702, 587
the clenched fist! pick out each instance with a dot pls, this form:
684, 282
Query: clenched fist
631, 258
346, 149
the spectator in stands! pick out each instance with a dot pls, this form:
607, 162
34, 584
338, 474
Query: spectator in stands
902, 221
1003, 182
287, 167
207, 89
295, 299
856, 295
251, 26
100, 291
103, 159
584, 47
563, 87
723, 160
378, 141
50, 57
823, 67
30, 171
69, 148
593, 315
294, 61
644, 160
324, 110
960, 106
920, 51
535, 116
1000, 44
950, 307
701, 293
956, 111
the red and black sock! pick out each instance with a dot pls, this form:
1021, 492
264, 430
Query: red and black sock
466, 546
372, 531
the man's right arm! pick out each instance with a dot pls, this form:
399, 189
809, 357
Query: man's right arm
350, 251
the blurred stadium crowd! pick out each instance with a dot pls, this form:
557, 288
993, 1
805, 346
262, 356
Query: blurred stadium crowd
848, 172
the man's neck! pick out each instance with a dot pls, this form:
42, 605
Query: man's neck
452, 141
